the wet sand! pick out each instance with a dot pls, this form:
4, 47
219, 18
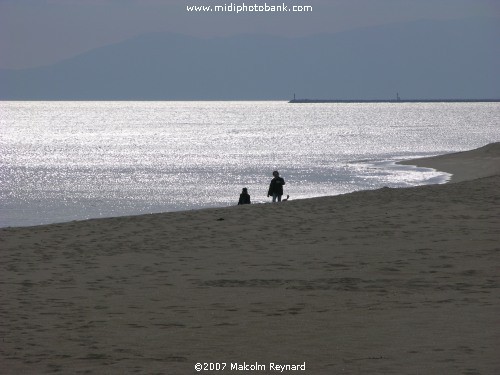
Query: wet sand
390, 281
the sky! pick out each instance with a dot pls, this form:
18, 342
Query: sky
40, 32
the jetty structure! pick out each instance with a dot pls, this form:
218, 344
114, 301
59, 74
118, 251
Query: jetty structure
395, 100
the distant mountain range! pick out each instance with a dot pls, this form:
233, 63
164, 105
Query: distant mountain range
425, 59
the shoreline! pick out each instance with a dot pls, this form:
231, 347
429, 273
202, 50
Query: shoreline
464, 165
393, 280
428, 162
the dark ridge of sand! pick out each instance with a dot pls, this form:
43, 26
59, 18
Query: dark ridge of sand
466, 165
390, 281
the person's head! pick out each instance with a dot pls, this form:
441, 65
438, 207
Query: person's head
276, 174
245, 191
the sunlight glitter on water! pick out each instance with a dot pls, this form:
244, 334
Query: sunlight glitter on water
62, 161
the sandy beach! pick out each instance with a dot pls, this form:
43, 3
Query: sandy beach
390, 281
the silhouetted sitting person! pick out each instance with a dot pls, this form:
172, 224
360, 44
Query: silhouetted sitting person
244, 197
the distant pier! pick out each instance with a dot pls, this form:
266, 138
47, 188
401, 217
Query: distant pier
398, 100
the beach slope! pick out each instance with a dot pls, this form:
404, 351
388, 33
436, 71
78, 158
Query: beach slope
465, 165
390, 281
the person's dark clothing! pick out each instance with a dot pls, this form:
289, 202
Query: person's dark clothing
244, 198
276, 186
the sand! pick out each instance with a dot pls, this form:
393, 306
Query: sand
466, 165
390, 281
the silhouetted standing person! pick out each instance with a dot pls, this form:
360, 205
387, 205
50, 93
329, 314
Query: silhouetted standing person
276, 187
244, 197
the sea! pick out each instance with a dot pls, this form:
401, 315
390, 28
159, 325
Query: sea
65, 161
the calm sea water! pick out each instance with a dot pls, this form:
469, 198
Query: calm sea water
62, 161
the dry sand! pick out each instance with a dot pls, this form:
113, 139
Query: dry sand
465, 166
391, 281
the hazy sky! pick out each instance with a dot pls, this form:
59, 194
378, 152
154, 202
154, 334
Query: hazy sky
37, 32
